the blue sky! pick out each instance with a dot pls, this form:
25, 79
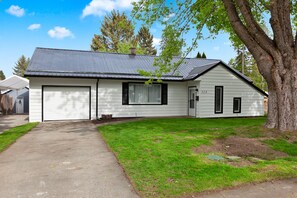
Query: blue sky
70, 24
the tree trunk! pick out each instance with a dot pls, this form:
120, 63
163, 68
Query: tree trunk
272, 116
282, 102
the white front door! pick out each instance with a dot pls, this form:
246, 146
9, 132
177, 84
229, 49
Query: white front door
66, 103
19, 105
192, 101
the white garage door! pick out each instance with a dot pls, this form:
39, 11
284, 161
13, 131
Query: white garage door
66, 103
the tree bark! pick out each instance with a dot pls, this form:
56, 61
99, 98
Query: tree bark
282, 102
276, 58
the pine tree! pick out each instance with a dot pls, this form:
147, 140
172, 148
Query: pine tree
203, 55
2, 76
115, 29
21, 66
198, 55
145, 41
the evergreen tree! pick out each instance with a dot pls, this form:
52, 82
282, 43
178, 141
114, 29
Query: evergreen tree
21, 66
203, 55
115, 29
2, 76
145, 41
198, 55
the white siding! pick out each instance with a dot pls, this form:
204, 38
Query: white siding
35, 93
251, 100
110, 101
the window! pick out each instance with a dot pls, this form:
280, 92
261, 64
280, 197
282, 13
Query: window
219, 99
192, 98
236, 105
144, 94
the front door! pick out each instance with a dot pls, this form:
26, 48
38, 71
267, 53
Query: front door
192, 101
20, 105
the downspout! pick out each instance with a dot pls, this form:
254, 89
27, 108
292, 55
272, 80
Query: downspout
97, 83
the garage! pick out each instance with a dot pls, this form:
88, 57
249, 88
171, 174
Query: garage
66, 103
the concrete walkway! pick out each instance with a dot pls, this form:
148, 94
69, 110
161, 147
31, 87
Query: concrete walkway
10, 121
274, 189
60, 159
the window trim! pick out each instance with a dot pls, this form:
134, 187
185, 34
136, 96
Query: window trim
215, 98
144, 103
237, 98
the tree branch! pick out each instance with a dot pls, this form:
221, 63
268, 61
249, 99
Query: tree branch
262, 57
253, 27
281, 26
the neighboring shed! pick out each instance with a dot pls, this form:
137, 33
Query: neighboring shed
20, 100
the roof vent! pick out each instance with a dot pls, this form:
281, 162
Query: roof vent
133, 50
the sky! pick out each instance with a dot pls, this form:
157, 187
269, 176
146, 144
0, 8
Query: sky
71, 24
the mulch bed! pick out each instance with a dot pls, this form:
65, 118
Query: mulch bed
103, 121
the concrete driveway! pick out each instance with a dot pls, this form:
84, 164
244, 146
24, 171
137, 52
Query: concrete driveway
10, 121
62, 159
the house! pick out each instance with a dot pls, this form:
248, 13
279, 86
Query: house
20, 100
74, 84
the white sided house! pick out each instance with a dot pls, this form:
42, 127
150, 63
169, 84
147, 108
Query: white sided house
73, 84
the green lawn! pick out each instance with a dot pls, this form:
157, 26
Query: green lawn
10, 136
158, 154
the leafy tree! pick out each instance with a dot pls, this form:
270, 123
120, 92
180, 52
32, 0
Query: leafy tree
115, 29
125, 48
244, 21
145, 41
21, 66
2, 76
242, 60
246, 60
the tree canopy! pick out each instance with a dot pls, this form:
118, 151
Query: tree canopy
2, 76
199, 55
117, 35
246, 22
115, 29
246, 64
145, 41
21, 66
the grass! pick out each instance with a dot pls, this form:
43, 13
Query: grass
283, 145
10, 136
158, 156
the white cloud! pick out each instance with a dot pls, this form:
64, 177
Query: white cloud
169, 16
60, 33
216, 48
156, 41
16, 11
100, 7
34, 26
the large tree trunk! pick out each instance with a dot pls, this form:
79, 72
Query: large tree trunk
276, 57
282, 102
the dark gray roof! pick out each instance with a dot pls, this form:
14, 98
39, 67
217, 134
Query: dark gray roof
47, 62
77, 63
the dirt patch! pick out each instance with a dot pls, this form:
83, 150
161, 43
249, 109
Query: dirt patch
242, 147
240, 163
